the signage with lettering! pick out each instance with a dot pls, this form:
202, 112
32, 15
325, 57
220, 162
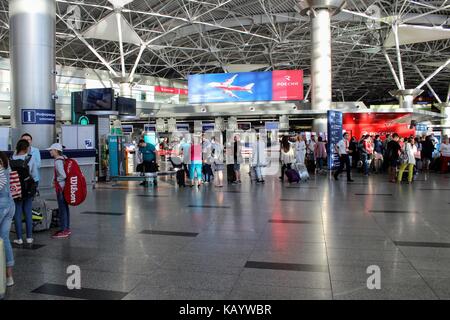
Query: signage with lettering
279, 85
334, 136
38, 116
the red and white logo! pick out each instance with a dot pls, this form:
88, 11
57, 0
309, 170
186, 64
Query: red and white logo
287, 85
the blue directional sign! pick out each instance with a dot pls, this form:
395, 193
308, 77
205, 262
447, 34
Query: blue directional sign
38, 116
334, 136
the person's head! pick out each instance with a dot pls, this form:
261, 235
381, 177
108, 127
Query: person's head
142, 143
411, 140
320, 139
377, 137
346, 135
22, 146
4, 163
285, 143
396, 137
236, 137
388, 136
56, 150
28, 137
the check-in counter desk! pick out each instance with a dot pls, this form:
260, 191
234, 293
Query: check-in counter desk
85, 159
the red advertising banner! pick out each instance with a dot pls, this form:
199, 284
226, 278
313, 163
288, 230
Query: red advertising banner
374, 123
287, 85
171, 90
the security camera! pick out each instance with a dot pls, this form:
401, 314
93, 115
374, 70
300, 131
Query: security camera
54, 72
54, 96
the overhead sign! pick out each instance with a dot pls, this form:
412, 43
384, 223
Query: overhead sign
38, 116
149, 127
272, 125
182, 127
208, 126
171, 90
127, 128
280, 85
335, 121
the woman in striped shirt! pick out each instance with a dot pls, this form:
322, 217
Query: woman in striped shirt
7, 209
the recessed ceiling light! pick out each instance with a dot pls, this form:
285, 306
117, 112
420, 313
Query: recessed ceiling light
252, 108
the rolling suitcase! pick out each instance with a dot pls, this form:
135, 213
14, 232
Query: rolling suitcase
231, 175
2, 270
252, 174
302, 172
181, 178
42, 215
292, 176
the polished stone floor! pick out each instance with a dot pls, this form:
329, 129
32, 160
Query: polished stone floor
314, 240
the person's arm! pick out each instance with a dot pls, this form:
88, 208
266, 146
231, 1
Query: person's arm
60, 172
33, 169
37, 158
3, 180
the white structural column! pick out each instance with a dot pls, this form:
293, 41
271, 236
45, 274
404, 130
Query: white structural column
320, 12
32, 52
126, 89
321, 66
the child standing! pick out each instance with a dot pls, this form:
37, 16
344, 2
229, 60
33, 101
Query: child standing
56, 151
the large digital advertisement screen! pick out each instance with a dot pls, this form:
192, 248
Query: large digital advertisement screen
281, 85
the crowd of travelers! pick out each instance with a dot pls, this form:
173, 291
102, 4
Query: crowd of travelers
19, 182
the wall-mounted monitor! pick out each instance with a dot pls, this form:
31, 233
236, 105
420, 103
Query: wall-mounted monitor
98, 99
126, 106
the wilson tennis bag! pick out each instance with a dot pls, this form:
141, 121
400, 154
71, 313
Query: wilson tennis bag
75, 188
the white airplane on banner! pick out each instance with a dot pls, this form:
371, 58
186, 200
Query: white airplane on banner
228, 88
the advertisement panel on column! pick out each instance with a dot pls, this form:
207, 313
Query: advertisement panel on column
334, 136
279, 85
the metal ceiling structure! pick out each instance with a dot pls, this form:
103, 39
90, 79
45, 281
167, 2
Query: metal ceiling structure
180, 37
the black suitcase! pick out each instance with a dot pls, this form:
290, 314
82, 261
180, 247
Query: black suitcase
231, 175
181, 178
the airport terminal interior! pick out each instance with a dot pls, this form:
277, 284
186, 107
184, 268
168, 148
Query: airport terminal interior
224, 150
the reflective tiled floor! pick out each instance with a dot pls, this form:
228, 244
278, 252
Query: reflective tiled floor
309, 241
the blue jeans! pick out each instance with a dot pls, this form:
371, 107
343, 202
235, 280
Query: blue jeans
320, 163
365, 161
6, 216
64, 213
258, 172
23, 207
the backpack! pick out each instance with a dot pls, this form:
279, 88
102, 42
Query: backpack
26, 184
75, 188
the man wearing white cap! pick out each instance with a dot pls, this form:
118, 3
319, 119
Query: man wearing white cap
56, 151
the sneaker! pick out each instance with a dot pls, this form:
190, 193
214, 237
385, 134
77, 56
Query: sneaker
30, 240
9, 281
60, 235
18, 242
68, 232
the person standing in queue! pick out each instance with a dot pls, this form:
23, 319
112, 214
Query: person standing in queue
35, 154
393, 149
259, 158
344, 157
24, 164
410, 149
195, 169
56, 151
445, 154
148, 152
7, 209
237, 157
185, 152
217, 161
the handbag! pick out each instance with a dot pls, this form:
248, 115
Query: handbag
404, 157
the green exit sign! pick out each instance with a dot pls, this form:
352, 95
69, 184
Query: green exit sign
84, 121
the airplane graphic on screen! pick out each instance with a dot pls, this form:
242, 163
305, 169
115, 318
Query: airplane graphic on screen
228, 88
